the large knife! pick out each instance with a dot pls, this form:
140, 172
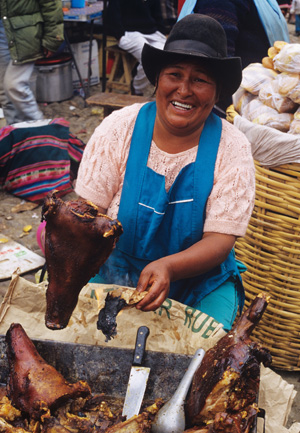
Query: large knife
138, 376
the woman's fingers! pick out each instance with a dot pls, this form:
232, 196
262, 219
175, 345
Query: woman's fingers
155, 279
155, 297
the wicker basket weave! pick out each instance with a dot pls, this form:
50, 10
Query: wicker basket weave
271, 252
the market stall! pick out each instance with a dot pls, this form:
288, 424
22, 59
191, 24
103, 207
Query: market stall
80, 352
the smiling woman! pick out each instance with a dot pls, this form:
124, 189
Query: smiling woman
179, 179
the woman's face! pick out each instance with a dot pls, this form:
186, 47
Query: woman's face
185, 96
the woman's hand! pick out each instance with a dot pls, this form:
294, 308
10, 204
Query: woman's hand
155, 278
201, 257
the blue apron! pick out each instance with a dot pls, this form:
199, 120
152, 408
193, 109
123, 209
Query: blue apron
157, 223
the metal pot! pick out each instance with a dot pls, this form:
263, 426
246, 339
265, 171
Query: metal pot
54, 79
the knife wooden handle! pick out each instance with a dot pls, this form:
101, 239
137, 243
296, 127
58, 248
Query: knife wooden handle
140, 345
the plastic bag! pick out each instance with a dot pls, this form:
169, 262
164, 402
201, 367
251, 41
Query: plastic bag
269, 146
294, 94
294, 127
270, 96
259, 113
240, 99
295, 124
256, 108
288, 59
286, 82
279, 121
255, 76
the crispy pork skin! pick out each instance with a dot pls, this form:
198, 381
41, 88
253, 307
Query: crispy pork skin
35, 387
78, 241
224, 390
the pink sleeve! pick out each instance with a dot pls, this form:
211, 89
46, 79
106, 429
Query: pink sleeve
103, 164
231, 201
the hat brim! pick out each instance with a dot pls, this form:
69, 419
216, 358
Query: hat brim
227, 71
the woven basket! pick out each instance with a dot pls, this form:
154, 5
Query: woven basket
271, 252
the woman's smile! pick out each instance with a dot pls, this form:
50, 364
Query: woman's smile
182, 106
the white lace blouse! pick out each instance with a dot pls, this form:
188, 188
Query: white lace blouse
102, 169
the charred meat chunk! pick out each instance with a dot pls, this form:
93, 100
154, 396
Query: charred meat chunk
115, 301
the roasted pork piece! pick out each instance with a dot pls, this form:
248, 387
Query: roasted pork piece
35, 387
115, 301
40, 400
78, 241
224, 391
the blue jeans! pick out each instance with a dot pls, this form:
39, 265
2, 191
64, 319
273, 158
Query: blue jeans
16, 97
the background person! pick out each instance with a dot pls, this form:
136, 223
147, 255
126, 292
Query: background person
169, 9
180, 179
134, 23
295, 10
29, 30
251, 26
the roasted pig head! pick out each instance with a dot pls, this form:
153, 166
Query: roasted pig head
78, 241
225, 387
34, 386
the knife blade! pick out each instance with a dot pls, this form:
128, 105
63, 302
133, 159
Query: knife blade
138, 377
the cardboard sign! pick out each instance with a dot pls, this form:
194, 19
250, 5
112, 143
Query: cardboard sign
14, 255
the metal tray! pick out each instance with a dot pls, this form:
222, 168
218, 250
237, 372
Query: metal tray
107, 369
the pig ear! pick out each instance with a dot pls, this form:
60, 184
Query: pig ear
50, 204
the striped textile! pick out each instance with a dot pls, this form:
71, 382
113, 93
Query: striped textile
36, 160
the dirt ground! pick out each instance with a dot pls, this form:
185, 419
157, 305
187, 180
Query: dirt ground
82, 117
83, 120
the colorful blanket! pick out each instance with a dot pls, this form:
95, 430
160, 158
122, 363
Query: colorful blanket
36, 160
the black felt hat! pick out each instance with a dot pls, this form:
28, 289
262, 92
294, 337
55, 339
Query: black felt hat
200, 37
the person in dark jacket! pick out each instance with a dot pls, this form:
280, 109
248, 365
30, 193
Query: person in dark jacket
134, 23
169, 12
29, 30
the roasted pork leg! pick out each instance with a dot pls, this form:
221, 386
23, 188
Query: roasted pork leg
35, 387
227, 381
78, 241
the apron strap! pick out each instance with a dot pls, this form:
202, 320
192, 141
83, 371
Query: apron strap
135, 170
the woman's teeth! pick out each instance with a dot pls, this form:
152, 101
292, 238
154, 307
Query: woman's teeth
182, 106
